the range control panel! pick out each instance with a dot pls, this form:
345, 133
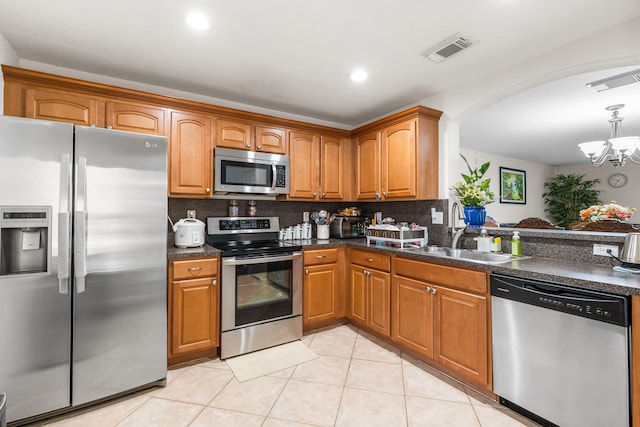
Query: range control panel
237, 225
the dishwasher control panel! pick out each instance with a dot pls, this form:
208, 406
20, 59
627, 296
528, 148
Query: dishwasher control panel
554, 296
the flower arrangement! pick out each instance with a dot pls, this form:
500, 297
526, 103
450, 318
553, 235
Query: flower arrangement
474, 191
610, 211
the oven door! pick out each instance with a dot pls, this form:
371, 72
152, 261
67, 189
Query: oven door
260, 289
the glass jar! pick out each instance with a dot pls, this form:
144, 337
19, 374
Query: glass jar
252, 209
233, 208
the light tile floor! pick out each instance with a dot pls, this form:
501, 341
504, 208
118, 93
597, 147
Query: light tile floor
356, 381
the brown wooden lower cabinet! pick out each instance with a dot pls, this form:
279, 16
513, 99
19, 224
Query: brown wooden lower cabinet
323, 282
370, 291
193, 315
442, 313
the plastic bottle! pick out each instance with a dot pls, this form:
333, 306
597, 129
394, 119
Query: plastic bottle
516, 244
233, 208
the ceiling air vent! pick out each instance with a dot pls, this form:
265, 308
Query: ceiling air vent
615, 81
449, 47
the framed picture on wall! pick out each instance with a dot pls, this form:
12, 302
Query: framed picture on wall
513, 186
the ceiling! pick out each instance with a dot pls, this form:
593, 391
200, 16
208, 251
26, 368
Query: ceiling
294, 57
544, 124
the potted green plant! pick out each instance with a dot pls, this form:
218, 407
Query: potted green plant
474, 193
567, 195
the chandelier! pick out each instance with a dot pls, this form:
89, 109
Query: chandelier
617, 149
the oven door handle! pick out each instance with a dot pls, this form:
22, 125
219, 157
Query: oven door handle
260, 260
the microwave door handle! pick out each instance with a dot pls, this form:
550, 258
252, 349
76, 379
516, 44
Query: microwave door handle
273, 176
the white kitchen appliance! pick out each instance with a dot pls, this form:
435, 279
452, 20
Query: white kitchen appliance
189, 233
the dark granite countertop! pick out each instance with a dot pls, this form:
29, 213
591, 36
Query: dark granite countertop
585, 275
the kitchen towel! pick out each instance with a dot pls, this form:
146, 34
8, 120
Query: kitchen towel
274, 359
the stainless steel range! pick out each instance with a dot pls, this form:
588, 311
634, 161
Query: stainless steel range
261, 294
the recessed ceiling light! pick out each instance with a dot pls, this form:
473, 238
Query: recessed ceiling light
197, 21
358, 75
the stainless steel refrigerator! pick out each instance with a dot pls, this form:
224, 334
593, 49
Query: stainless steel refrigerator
83, 241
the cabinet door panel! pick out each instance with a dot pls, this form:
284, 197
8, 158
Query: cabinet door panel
413, 315
461, 336
135, 118
331, 168
304, 152
190, 155
399, 152
233, 135
271, 140
319, 293
194, 312
368, 167
380, 302
62, 107
358, 295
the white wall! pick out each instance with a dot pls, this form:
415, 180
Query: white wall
626, 196
613, 47
7, 56
536, 174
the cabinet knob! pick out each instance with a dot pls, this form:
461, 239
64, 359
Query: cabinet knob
248, 145
214, 282
194, 268
384, 194
321, 256
324, 194
433, 290
427, 289
207, 190
109, 127
377, 196
259, 147
315, 194
370, 259
306, 271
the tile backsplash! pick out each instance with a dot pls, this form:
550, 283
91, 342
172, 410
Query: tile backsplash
290, 212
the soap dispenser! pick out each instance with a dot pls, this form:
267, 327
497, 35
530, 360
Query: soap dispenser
516, 244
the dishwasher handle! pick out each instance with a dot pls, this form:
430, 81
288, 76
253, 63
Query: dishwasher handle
586, 303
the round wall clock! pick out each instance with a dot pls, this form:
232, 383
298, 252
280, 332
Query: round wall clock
617, 180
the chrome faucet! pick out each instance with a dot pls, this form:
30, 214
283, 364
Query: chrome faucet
455, 234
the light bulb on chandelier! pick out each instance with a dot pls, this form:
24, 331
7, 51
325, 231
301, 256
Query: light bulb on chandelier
617, 149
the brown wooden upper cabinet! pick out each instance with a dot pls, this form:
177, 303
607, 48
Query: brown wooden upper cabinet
244, 136
190, 154
398, 158
317, 166
61, 106
141, 118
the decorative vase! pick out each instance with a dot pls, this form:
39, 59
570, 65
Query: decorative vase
474, 216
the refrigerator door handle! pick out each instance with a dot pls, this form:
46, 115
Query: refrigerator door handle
64, 225
80, 227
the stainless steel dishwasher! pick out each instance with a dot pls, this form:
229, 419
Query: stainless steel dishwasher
561, 354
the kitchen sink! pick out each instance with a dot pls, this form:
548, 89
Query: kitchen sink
468, 254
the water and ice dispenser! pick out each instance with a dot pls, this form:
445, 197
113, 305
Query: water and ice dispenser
25, 239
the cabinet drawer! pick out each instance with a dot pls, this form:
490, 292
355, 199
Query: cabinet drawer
194, 268
371, 259
469, 280
322, 256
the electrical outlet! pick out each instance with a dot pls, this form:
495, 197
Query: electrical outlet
191, 213
437, 218
605, 250
305, 216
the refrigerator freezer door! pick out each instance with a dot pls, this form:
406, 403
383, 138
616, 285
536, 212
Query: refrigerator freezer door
120, 320
35, 318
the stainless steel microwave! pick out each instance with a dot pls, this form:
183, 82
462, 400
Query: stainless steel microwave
250, 172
